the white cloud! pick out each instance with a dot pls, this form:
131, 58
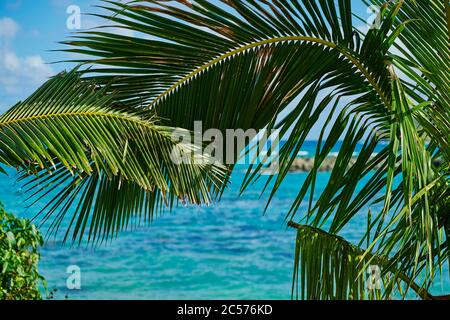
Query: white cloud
8, 28
19, 75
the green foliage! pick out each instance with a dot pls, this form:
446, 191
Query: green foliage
81, 144
327, 267
19, 257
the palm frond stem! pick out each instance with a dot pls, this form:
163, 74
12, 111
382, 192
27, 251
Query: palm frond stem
419, 290
344, 52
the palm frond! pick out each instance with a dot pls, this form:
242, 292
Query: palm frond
328, 267
241, 64
74, 138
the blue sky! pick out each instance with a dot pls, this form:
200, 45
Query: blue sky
29, 30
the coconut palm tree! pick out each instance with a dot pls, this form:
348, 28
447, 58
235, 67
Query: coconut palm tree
97, 139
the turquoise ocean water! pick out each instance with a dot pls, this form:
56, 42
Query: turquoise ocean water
227, 251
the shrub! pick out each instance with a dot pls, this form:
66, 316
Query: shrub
19, 257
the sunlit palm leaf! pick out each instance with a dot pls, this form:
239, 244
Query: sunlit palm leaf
112, 161
240, 64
